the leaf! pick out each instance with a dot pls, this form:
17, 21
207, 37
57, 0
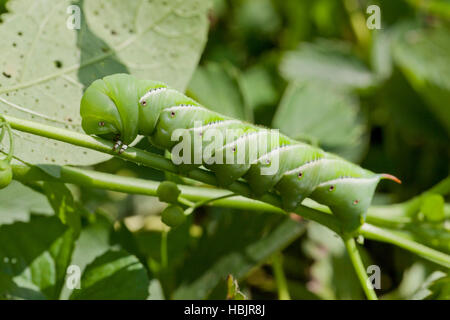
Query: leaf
233, 292
231, 246
440, 289
435, 287
433, 207
330, 119
328, 61
45, 66
94, 240
217, 87
257, 16
381, 56
18, 202
258, 88
36, 254
155, 290
149, 246
422, 55
10, 291
114, 275
63, 204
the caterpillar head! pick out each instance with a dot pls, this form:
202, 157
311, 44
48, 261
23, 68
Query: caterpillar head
109, 108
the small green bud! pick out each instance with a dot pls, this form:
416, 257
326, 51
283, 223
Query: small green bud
168, 192
173, 216
5, 174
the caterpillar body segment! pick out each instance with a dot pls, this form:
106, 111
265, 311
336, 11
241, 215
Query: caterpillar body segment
120, 107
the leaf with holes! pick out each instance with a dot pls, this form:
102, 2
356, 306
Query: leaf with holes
45, 64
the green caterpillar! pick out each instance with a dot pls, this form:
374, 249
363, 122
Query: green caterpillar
120, 107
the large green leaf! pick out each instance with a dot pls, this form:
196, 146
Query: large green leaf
44, 65
422, 54
113, 275
35, 256
331, 120
235, 243
329, 61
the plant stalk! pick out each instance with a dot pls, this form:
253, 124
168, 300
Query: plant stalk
358, 265
158, 162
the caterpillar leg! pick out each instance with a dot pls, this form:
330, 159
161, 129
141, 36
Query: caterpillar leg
123, 148
119, 146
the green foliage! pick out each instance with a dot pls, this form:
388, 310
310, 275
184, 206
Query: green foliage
422, 54
46, 67
218, 86
63, 204
37, 262
326, 61
18, 202
331, 121
233, 292
312, 69
239, 248
433, 207
114, 275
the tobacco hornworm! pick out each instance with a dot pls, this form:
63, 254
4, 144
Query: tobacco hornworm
121, 107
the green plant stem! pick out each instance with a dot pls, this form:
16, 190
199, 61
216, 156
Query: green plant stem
355, 257
277, 266
380, 234
95, 179
268, 202
205, 202
158, 162
209, 196
164, 257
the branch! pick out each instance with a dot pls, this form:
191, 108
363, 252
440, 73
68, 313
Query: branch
269, 202
360, 270
372, 232
158, 162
